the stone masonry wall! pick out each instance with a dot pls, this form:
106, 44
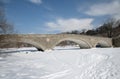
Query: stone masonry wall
116, 42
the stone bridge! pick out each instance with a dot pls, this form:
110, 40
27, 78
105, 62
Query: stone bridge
49, 41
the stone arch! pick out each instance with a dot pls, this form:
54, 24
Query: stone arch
80, 42
102, 44
15, 44
34, 44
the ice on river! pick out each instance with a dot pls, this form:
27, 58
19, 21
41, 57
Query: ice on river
61, 63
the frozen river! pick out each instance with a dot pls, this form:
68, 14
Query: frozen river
61, 63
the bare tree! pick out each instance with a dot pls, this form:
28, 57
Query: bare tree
5, 27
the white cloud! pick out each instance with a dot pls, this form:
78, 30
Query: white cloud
36, 1
64, 25
111, 8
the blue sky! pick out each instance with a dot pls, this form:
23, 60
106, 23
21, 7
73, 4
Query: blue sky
55, 16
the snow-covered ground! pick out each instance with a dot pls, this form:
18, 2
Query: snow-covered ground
61, 63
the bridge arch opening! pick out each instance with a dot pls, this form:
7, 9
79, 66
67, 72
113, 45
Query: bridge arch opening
73, 42
20, 45
102, 44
